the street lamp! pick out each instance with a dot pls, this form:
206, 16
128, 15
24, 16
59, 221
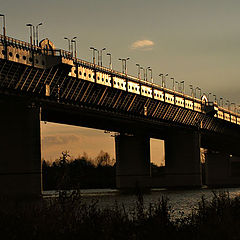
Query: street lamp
176, 82
94, 59
124, 68
143, 72
182, 88
220, 101
191, 87
37, 31
4, 25
72, 41
209, 96
101, 54
161, 75
69, 44
228, 104
215, 98
139, 71
200, 92
75, 46
151, 73
110, 60
31, 32
173, 83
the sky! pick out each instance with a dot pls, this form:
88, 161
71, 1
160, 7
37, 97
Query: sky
191, 40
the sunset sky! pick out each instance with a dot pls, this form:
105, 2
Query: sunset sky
194, 41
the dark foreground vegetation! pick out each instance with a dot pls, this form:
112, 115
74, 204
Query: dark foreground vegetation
69, 217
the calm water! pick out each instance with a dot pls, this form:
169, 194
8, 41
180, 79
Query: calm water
181, 201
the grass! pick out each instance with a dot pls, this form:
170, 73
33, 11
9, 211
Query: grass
69, 217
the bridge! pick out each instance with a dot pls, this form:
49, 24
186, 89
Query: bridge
44, 83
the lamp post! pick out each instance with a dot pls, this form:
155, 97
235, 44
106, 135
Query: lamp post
139, 71
110, 60
72, 41
94, 58
37, 33
161, 75
124, 67
150, 70
192, 92
178, 86
182, 88
234, 104
75, 46
173, 83
209, 96
31, 32
215, 98
228, 104
120, 59
69, 44
101, 51
143, 73
220, 101
200, 92
4, 25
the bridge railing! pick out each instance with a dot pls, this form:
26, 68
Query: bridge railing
68, 55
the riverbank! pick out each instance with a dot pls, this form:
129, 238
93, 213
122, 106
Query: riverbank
69, 217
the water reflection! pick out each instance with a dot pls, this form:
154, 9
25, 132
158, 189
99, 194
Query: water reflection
181, 201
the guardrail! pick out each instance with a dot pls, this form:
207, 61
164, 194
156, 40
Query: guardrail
9, 41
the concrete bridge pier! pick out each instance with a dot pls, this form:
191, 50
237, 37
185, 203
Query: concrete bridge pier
182, 159
222, 169
132, 162
20, 144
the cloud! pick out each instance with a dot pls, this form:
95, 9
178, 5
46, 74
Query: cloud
59, 140
143, 44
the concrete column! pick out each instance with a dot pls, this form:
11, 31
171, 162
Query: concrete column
20, 144
182, 159
133, 162
222, 169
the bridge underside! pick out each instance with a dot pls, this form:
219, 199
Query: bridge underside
83, 103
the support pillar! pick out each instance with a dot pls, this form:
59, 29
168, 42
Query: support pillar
132, 162
182, 159
222, 169
20, 144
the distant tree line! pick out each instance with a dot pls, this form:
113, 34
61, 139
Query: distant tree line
82, 172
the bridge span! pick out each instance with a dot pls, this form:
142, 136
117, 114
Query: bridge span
49, 84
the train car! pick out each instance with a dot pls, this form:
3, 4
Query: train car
133, 87
86, 74
179, 101
169, 98
220, 114
189, 104
159, 95
146, 91
238, 120
226, 116
119, 83
197, 107
233, 119
103, 78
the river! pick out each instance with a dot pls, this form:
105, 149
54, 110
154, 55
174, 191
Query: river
181, 201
